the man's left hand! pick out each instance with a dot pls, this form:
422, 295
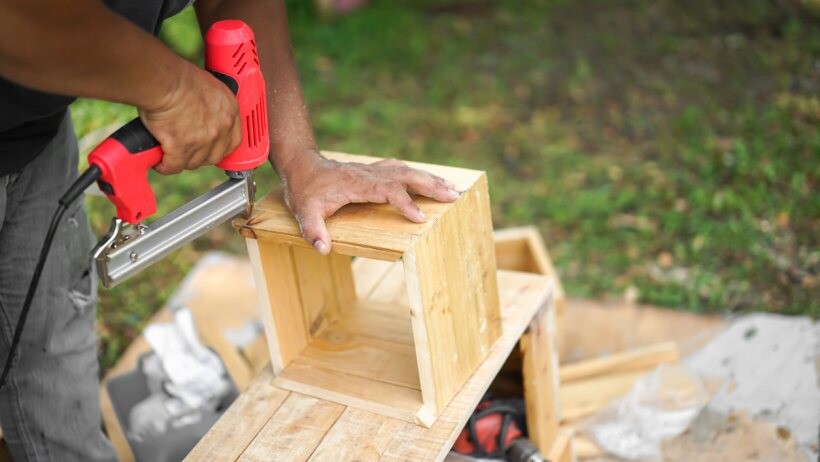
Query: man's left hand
316, 187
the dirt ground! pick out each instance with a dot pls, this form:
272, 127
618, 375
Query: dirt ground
763, 371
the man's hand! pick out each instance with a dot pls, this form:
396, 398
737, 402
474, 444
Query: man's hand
316, 187
197, 124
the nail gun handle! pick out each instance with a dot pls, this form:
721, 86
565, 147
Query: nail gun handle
124, 159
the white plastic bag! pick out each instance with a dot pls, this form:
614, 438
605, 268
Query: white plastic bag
661, 405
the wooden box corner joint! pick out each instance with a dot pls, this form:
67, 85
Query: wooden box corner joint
331, 337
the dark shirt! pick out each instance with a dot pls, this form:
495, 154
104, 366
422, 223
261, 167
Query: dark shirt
29, 119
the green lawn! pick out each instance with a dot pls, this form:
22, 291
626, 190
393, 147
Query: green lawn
666, 146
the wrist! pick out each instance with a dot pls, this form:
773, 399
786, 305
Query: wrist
288, 163
168, 85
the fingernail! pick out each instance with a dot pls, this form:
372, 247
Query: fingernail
320, 246
422, 215
450, 184
453, 194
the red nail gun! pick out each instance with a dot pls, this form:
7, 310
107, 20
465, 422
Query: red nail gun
120, 164
125, 157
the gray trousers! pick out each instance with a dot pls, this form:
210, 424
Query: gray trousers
50, 404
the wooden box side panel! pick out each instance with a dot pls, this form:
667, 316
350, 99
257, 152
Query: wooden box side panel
299, 291
325, 286
453, 293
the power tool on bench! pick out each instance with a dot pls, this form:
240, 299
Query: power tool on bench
497, 430
120, 165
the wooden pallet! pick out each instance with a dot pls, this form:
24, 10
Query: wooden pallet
269, 422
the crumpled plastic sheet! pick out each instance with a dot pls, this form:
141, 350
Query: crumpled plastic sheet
661, 405
184, 378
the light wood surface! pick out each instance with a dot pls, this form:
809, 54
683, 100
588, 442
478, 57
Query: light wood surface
541, 384
453, 296
445, 287
246, 429
369, 230
636, 359
523, 249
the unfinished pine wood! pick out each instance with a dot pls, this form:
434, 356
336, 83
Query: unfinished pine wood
541, 384
563, 450
241, 422
523, 249
368, 230
637, 359
456, 320
357, 435
294, 430
444, 287
581, 398
279, 300
361, 435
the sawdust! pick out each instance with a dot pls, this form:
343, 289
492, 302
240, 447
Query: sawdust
717, 438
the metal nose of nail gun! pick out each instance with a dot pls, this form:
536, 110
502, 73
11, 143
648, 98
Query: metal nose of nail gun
128, 249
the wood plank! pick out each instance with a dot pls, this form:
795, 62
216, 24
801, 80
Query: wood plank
371, 230
523, 249
341, 266
317, 287
241, 422
563, 449
585, 448
275, 278
382, 398
379, 320
294, 430
392, 288
363, 356
368, 274
540, 371
357, 435
521, 296
637, 359
453, 296
583, 397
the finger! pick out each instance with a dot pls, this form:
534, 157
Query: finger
228, 143
236, 134
314, 231
389, 163
197, 159
428, 185
171, 164
404, 203
220, 149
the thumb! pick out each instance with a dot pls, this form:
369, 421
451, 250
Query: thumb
314, 231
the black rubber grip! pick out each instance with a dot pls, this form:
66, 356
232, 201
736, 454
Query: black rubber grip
135, 137
229, 81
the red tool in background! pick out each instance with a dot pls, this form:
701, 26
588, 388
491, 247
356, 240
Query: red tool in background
126, 156
497, 431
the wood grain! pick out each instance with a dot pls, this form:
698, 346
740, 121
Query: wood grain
241, 422
294, 430
541, 384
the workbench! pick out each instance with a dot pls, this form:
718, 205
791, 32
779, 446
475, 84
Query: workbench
268, 422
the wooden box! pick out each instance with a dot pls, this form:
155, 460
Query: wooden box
405, 358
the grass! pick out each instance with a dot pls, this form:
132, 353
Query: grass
666, 148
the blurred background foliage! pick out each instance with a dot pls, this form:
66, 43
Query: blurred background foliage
665, 148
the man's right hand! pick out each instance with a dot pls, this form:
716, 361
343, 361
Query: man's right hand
197, 124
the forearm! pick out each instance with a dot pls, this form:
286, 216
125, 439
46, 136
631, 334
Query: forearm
81, 48
291, 133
